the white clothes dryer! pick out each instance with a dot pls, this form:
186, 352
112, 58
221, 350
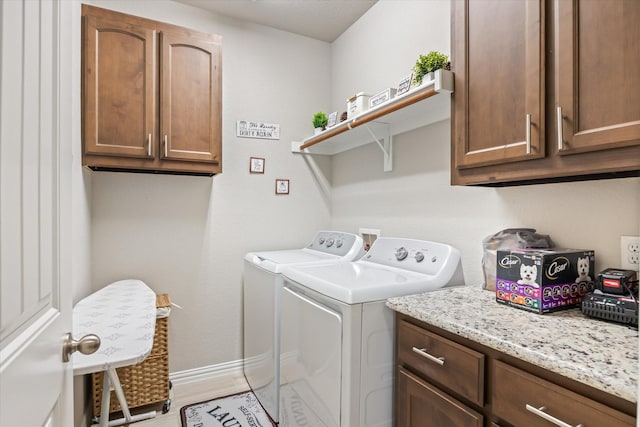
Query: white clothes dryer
261, 306
337, 333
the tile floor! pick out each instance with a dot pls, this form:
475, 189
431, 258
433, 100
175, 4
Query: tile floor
185, 394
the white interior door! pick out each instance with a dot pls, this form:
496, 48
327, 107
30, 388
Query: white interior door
35, 298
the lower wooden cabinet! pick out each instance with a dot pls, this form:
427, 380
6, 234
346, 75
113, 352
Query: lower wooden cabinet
524, 399
418, 403
444, 380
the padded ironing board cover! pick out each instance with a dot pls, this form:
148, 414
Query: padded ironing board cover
123, 315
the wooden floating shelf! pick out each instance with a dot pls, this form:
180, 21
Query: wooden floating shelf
421, 106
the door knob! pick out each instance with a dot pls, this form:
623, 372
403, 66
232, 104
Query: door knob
88, 344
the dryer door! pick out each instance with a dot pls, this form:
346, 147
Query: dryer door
311, 362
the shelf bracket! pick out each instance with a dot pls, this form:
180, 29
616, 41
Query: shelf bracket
385, 144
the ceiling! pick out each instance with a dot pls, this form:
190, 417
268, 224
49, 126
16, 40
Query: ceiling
319, 19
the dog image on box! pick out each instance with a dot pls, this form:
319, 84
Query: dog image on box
583, 270
528, 274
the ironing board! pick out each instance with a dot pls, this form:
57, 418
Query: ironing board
123, 315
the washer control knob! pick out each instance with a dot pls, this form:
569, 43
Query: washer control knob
330, 243
419, 256
321, 240
401, 253
338, 243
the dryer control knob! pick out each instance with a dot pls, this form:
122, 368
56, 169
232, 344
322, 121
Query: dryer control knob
330, 243
401, 253
321, 240
338, 243
419, 256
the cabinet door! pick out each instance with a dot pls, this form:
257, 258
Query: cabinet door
596, 77
498, 111
190, 95
418, 403
119, 88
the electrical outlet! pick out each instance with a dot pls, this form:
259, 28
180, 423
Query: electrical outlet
369, 235
630, 252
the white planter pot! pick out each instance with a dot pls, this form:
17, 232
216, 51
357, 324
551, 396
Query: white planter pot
428, 77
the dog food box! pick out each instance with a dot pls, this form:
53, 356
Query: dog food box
544, 280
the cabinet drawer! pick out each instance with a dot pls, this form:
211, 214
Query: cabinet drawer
451, 365
421, 404
524, 399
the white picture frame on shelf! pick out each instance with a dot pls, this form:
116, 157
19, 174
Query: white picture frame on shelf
333, 117
404, 85
382, 97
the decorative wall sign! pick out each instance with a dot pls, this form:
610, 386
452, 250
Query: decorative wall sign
282, 186
251, 129
405, 84
333, 117
256, 165
381, 97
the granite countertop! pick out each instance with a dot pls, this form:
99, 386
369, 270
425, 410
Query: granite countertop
597, 353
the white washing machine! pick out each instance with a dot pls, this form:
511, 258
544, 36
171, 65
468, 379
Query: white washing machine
261, 306
337, 333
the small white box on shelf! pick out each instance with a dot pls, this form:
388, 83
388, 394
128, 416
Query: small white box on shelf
381, 97
357, 104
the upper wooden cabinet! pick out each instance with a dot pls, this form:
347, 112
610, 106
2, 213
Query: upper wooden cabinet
151, 96
544, 90
499, 101
597, 78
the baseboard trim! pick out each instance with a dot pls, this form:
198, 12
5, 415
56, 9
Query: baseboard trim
226, 369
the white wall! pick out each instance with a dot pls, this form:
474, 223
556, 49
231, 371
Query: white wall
186, 236
416, 200
382, 46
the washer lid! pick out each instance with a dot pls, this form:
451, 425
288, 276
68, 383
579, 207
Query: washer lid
361, 281
326, 246
274, 261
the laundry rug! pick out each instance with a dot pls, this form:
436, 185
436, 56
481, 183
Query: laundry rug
237, 410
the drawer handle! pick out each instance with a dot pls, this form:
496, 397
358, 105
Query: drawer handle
540, 412
423, 352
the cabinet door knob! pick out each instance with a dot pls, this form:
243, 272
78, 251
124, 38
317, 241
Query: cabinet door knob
422, 352
542, 414
149, 145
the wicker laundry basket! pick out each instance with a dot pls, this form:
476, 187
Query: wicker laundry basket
147, 382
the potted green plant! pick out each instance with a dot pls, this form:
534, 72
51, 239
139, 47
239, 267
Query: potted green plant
320, 121
428, 63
